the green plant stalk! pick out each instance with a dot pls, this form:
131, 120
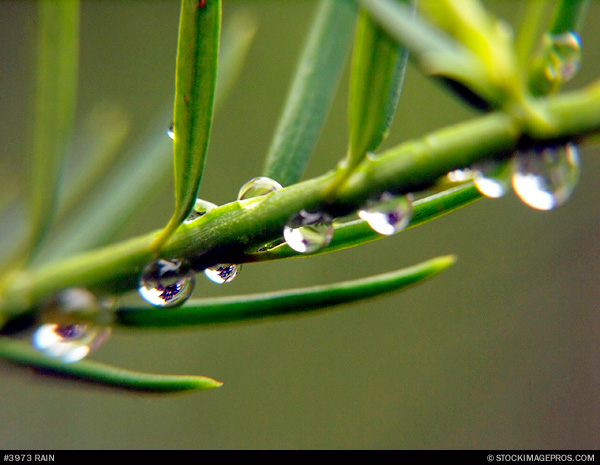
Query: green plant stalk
527, 34
227, 232
277, 304
434, 51
195, 83
23, 354
568, 16
378, 68
141, 171
54, 109
235, 42
357, 232
106, 130
311, 91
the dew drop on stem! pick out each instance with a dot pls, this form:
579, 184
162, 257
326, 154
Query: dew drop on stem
308, 232
258, 187
77, 323
545, 178
492, 178
69, 343
167, 283
223, 273
201, 208
564, 58
389, 214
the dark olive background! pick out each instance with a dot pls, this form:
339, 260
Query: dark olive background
501, 351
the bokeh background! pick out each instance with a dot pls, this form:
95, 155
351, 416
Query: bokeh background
501, 351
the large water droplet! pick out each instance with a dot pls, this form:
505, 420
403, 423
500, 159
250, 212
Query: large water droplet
171, 132
307, 232
388, 215
201, 208
564, 57
77, 324
492, 178
545, 179
223, 273
167, 283
258, 187
71, 342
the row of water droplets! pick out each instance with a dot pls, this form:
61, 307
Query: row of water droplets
543, 178
77, 322
170, 282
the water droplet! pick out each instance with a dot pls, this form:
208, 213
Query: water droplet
201, 208
171, 132
492, 178
71, 342
545, 179
307, 232
389, 214
460, 175
223, 273
77, 323
258, 187
564, 59
167, 283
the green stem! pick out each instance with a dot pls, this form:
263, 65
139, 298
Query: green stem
277, 304
225, 234
357, 232
24, 354
311, 91
54, 110
568, 16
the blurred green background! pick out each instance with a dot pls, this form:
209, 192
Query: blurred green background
501, 351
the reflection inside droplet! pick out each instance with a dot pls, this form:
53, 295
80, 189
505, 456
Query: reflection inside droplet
492, 178
167, 283
545, 179
564, 56
69, 343
258, 187
223, 273
171, 132
308, 232
388, 215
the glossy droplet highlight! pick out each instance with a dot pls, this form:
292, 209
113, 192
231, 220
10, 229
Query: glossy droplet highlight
308, 232
167, 283
171, 132
223, 273
201, 208
460, 175
258, 187
491, 178
69, 343
545, 179
564, 59
388, 215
